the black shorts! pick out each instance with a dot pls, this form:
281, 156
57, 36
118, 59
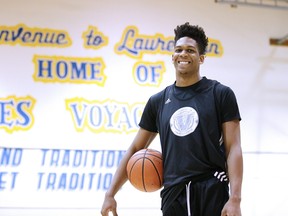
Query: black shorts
207, 198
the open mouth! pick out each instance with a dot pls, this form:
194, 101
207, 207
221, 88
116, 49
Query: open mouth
184, 62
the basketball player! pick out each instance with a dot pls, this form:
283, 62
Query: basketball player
198, 122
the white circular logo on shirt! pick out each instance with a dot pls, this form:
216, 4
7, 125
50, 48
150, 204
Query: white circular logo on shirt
184, 121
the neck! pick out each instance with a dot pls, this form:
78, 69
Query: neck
184, 81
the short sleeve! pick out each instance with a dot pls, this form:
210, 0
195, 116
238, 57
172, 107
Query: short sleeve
228, 105
148, 118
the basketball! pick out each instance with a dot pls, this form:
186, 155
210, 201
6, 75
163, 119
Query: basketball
145, 170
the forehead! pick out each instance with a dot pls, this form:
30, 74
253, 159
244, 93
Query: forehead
186, 41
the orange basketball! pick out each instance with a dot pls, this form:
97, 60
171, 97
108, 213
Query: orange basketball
145, 170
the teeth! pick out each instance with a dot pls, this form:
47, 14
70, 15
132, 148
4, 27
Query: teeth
182, 62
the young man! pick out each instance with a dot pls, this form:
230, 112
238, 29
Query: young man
198, 122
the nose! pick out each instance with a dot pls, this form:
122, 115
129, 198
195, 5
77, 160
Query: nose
184, 53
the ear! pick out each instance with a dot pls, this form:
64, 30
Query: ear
201, 59
172, 58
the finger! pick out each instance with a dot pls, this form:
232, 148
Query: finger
105, 212
114, 213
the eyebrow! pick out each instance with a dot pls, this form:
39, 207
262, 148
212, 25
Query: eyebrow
186, 46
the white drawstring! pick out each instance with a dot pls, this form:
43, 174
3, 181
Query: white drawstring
219, 175
188, 198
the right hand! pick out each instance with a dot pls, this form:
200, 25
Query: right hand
109, 204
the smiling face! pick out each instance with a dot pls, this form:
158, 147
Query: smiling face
186, 59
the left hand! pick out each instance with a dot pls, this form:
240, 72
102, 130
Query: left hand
231, 208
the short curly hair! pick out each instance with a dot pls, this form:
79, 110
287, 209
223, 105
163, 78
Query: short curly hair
193, 31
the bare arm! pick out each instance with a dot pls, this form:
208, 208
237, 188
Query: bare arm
232, 141
142, 140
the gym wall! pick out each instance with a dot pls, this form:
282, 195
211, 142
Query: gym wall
74, 79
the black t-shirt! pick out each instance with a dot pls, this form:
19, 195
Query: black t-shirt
188, 120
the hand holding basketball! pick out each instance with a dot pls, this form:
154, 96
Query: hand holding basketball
145, 170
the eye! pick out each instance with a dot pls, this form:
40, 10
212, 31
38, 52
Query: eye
178, 50
190, 51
